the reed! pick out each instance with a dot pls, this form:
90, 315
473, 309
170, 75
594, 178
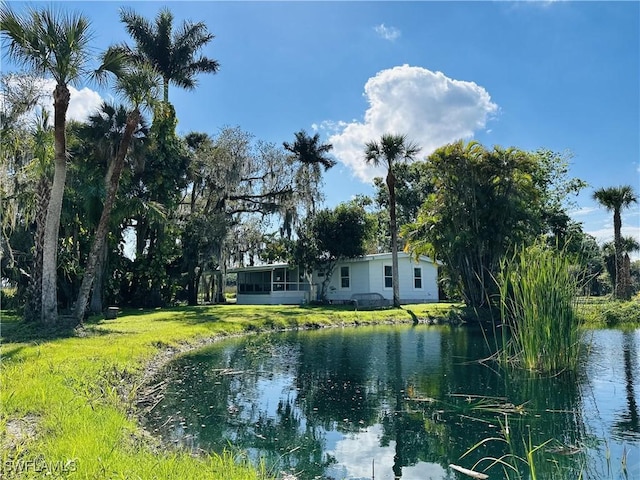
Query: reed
538, 291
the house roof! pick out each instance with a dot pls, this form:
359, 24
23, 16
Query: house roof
258, 268
365, 258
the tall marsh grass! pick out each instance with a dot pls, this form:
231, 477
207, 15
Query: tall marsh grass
538, 289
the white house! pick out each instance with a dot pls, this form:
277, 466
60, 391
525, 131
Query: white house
281, 284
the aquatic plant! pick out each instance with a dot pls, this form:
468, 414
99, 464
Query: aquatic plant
538, 290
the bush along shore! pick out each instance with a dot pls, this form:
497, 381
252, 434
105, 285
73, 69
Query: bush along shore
70, 396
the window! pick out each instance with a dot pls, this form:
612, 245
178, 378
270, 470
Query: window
388, 276
344, 277
417, 278
254, 282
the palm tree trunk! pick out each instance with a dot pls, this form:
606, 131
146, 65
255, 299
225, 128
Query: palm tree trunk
96, 304
101, 232
618, 288
626, 277
391, 184
165, 89
33, 305
49, 312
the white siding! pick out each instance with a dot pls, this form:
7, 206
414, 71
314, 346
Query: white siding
408, 294
366, 275
358, 280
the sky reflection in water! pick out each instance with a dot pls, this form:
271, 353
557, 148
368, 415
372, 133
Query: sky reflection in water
348, 403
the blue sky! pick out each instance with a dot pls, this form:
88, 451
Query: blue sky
559, 75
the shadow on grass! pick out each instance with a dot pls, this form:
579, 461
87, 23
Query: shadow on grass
13, 329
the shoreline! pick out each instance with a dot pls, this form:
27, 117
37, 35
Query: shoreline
93, 387
148, 396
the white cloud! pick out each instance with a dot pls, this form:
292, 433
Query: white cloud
583, 211
429, 107
356, 452
630, 228
83, 102
388, 33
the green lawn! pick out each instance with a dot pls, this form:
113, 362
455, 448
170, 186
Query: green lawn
68, 395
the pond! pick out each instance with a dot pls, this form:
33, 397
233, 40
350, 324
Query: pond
403, 402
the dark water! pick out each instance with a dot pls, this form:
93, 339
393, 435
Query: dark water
404, 402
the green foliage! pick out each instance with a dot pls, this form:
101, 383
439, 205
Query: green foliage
627, 245
483, 203
413, 185
48, 42
606, 313
310, 154
173, 53
321, 240
8, 299
538, 290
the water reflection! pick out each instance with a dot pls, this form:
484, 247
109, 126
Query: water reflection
400, 403
629, 422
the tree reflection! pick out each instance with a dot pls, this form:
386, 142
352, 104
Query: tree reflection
629, 421
290, 398
335, 387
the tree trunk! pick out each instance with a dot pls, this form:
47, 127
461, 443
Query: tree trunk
625, 281
33, 304
193, 282
49, 312
103, 225
219, 288
95, 304
618, 287
391, 184
165, 89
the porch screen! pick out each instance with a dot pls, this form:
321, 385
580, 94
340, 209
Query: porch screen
254, 282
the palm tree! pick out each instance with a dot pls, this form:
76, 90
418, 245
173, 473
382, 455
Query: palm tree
615, 199
54, 44
172, 54
139, 85
311, 155
390, 150
628, 245
99, 141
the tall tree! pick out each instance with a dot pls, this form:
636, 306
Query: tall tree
484, 202
27, 166
615, 199
54, 44
174, 54
233, 181
310, 154
138, 85
390, 150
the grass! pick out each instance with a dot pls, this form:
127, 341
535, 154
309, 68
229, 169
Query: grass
538, 292
604, 312
68, 396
